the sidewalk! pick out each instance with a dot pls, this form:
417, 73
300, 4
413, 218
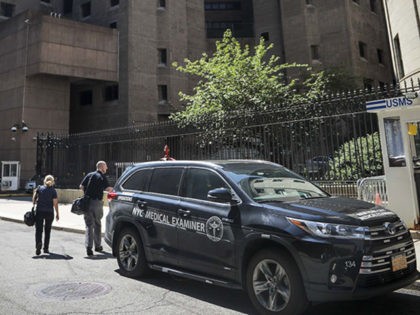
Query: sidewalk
13, 209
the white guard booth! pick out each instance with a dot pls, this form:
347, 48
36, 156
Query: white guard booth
399, 127
10, 175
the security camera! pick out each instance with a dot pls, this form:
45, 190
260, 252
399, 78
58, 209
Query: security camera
13, 129
25, 128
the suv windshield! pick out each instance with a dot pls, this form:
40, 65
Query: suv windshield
270, 182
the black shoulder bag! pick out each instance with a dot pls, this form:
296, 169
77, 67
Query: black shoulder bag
81, 204
30, 216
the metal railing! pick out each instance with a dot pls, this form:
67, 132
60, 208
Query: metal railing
373, 189
333, 142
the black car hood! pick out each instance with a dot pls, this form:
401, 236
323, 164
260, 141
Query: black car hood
335, 209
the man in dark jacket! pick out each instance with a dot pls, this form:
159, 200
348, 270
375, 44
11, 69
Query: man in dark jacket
93, 185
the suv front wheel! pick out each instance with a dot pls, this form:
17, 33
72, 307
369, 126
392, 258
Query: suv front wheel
130, 254
274, 284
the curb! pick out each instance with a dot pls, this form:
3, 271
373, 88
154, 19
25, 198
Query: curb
2, 195
58, 228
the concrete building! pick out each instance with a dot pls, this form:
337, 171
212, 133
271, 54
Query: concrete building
76, 66
70, 66
403, 18
347, 35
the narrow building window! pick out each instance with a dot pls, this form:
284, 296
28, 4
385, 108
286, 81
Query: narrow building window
398, 56
111, 92
356, 1
373, 5
115, 3
113, 25
162, 57
266, 36
67, 6
161, 3
163, 93
7, 9
315, 52
380, 53
85, 9
86, 97
362, 50
309, 2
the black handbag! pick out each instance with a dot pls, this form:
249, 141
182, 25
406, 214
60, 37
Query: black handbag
29, 217
80, 205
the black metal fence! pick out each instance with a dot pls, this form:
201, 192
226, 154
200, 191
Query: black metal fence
333, 141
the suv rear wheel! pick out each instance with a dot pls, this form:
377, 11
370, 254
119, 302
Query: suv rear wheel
130, 254
274, 284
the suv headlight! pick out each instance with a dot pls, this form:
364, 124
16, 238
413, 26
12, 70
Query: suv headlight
323, 229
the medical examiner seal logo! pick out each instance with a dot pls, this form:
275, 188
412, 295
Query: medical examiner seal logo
214, 229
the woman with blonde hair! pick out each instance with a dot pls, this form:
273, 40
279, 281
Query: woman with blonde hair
45, 196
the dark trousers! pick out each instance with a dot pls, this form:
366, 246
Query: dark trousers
93, 218
41, 217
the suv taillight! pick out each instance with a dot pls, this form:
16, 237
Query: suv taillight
112, 195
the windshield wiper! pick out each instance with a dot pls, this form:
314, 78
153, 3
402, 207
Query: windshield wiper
268, 200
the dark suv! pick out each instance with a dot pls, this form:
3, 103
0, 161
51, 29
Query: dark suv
258, 226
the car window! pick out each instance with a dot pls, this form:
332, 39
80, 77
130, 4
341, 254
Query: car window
166, 181
270, 182
138, 181
198, 182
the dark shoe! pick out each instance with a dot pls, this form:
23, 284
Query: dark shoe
38, 249
99, 249
89, 252
46, 251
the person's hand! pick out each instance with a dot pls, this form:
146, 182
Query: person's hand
57, 217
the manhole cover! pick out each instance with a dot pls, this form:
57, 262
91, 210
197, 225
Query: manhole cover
74, 291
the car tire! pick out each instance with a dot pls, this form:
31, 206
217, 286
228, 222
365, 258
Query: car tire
130, 254
274, 284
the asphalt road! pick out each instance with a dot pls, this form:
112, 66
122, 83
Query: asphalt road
68, 282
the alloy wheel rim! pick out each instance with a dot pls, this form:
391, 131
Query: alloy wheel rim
128, 252
271, 285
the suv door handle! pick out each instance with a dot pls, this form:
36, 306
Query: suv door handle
184, 213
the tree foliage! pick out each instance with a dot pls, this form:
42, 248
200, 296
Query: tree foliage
238, 82
358, 158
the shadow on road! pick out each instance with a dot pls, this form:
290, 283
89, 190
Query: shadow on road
235, 300
394, 303
100, 256
391, 304
53, 256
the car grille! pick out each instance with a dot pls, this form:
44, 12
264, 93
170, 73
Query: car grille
384, 243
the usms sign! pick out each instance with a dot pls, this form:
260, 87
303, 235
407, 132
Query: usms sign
389, 103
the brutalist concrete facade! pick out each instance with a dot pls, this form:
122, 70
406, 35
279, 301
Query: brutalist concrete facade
347, 35
114, 68
75, 66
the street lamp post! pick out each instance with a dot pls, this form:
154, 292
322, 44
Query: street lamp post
22, 125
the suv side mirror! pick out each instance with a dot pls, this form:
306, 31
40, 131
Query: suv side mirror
220, 195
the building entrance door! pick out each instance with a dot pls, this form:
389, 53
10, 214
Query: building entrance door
10, 175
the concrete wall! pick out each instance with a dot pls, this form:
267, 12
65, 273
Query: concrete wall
404, 22
336, 27
38, 60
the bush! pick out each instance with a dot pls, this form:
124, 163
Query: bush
358, 158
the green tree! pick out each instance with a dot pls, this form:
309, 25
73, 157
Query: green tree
237, 82
358, 158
